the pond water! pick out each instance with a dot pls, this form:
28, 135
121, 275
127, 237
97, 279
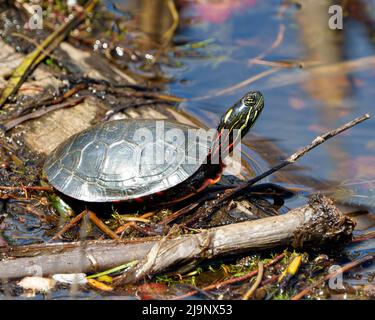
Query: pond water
329, 81
320, 78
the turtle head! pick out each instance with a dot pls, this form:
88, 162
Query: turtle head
235, 123
243, 114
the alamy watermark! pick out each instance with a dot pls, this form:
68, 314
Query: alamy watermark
36, 14
158, 145
335, 12
336, 282
336, 20
36, 19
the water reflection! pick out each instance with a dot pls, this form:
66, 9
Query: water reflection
332, 87
158, 19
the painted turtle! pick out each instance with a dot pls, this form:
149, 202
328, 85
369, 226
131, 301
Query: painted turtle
113, 161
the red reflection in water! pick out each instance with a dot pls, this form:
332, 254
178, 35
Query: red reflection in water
215, 11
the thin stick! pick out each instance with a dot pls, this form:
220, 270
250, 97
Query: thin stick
318, 68
121, 108
292, 159
232, 280
49, 101
316, 142
99, 223
364, 237
36, 44
279, 39
179, 213
238, 86
37, 114
94, 219
345, 268
69, 225
266, 282
23, 188
129, 224
277, 64
256, 284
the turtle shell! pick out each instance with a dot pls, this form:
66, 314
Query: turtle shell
126, 159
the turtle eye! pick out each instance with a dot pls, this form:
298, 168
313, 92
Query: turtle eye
249, 100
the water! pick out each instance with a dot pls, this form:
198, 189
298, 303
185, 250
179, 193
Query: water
294, 114
301, 103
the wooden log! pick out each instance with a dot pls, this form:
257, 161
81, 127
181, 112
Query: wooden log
318, 223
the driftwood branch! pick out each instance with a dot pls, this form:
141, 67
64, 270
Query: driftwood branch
317, 223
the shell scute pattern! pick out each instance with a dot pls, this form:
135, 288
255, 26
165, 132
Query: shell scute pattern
94, 151
71, 159
114, 168
110, 133
110, 162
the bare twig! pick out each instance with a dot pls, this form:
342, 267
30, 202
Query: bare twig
364, 237
35, 43
179, 213
316, 142
121, 108
256, 284
279, 39
92, 216
278, 64
37, 114
69, 225
240, 85
316, 69
49, 101
23, 188
99, 223
129, 224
